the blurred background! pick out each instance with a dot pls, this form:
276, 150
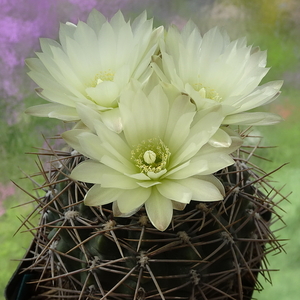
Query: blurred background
272, 25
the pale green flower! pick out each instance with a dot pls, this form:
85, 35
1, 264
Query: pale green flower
213, 70
92, 64
161, 159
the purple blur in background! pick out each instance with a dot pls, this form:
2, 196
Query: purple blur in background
22, 23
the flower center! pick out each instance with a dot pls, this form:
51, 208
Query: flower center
151, 155
207, 92
103, 76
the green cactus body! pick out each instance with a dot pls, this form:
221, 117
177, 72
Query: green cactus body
210, 251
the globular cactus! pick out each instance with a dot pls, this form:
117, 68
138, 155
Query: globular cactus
210, 251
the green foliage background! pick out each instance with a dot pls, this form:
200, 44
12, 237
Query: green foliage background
268, 24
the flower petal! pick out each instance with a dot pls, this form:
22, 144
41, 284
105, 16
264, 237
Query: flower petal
215, 181
95, 172
95, 19
114, 143
174, 190
212, 162
87, 115
89, 171
116, 164
91, 145
118, 213
253, 118
202, 190
220, 139
138, 176
53, 110
129, 200
104, 94
98, 195
180, 118
159, 210
262, 95
112, 120
72, 138
200, 133
149, 183
178, 205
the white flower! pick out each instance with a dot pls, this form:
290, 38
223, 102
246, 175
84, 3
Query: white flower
92, 64
161, 159
212, 70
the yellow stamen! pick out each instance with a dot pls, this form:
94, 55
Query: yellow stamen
103, 76
151, 155
207, 92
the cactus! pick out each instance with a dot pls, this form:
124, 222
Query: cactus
151, 109
211, 250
